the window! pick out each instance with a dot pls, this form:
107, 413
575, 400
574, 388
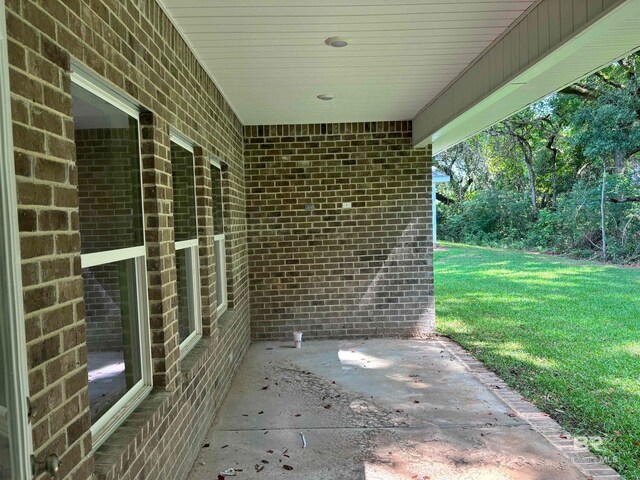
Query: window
113, 253
218, 236
186, 237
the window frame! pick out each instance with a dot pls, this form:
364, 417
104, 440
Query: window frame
12, 336
219, 245
192, 247
104, 427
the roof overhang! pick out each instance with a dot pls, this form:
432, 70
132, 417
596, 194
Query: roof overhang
555, 44
454, 67
270, 60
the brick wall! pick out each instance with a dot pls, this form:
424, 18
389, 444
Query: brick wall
331, 271
108, 187
184, 205
108, 182
134, 47
102, 308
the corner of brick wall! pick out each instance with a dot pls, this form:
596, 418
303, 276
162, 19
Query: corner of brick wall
136, 49
331, 269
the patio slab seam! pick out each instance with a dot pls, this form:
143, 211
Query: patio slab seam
583, 459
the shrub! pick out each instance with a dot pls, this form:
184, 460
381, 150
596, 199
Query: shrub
504, 218
488, 217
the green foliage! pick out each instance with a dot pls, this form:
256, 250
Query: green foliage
564, 333
606, 122
535, 180
488, 217
504, 218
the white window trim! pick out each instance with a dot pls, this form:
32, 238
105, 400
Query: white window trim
89, 260
11, 307
193, 297
183, 141
118, 413
220, 309
220, 239
85, 78
192, 245
186, 244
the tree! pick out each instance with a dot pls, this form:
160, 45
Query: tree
568, 167
465, 164
525, 132
607, 123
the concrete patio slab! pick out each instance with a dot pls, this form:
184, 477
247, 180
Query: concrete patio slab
371, 409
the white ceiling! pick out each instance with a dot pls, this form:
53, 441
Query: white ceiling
269, 57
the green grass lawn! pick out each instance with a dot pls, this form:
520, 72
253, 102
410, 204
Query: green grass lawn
565, 334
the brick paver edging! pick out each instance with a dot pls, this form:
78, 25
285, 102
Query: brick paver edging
580, 455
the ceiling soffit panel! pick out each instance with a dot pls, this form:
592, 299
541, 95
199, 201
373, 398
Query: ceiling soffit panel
269, 59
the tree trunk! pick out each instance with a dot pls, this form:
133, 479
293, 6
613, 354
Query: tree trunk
554, 169
619, 161
528, 160
602, 219
554, 179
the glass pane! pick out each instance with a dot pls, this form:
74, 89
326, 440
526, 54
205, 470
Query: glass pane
113, 340
185, 284
184, 193
221, 278
216, 180
108, 161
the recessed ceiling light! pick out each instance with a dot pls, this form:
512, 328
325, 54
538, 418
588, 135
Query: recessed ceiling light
337, 42
326, 96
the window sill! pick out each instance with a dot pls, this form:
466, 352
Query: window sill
196, 356
115, 449
226, 319
189, 343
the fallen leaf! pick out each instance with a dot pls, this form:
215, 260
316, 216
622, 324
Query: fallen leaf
287, 467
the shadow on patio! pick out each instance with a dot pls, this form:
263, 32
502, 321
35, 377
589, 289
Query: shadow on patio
370, 409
